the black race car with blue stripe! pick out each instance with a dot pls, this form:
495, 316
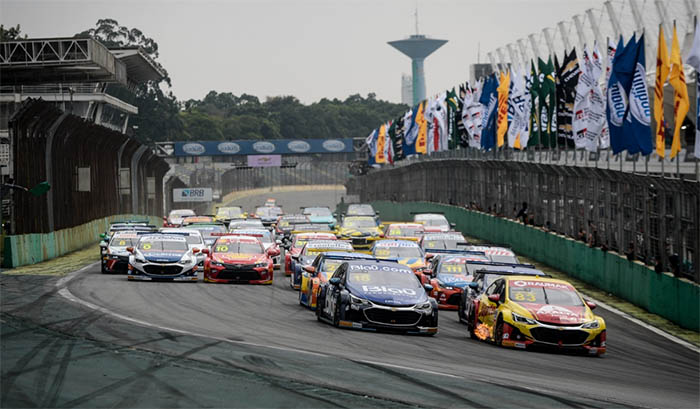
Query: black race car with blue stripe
377, 295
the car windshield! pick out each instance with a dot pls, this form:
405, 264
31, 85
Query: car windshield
161, 245
317, 251
237, 247
268, 211
387, 276
245, 225
398, 251
452, 268
500, 258
123, 241
443, 244
229, 212
436, 222
182, 213
193, 239
209, 229
405, 231
318, 211
359, 222
360, 210
562, 295
329, 266
263, 235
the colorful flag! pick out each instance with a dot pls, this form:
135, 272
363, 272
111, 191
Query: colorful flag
472, 113
502, 113
547, 99
422, 123
662, 69
453, 108
623, 67
567, 79
693, 60
399, 138
638, 129
582, 105
681, 102
410, 132
605, 132
459, 115
518, 110
390, 140
371, 142
489, 99
534, 85
597, 125
380, 156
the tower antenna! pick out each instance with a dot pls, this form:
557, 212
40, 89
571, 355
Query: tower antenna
416, 14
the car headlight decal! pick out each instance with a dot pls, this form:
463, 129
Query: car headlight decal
523, 320
591, 324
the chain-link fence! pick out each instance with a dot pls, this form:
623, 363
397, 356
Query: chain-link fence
649, 218
302, 173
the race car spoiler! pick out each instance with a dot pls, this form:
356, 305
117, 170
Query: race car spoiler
175, 233
500, 264
486, 245
456, 252
132, 221
514, 272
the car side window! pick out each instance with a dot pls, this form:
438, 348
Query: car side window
502, 290
340, 272
492, 288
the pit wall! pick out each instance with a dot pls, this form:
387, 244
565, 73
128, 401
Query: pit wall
20, 250
677, 300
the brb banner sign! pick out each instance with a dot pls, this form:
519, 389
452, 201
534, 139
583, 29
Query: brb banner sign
267, 147
194, 194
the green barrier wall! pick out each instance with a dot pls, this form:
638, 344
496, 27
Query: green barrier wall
677, 300
33, 248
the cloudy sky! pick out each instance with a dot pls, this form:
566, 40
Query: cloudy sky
307, 48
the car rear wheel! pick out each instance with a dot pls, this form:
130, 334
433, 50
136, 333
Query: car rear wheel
471, 328
300, 303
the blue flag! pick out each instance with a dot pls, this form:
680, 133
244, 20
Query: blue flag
637, 127
371, 142
410, 132
619, 85
489, 99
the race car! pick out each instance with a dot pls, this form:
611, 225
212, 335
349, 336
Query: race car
449, 277
377, 295
361, 210
309, 252
320, 215
404, 231
176, 216
197, 219
237, 224
271, 202
405, 252
265, 237
268, 215
209, 231
116, 257
286, 224
123, 226
318, 273
524, 311
434, 243
238, 259
361, 230
162, 256
495, 253
194, 241
482, 279
433, 222
226, 214
297, 242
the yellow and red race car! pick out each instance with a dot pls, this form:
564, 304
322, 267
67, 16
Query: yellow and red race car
299, 239
238, 259
523, 311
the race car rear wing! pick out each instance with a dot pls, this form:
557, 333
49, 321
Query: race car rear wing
533, 271
456, 252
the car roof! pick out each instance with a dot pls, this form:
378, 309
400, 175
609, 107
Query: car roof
344, 255
405, 224
180, 230
155, 236
385, 242
239, 238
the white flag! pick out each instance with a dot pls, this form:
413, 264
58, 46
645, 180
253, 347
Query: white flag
518, 110
693, 59
598, 125
441, 117
582, 105
472, 112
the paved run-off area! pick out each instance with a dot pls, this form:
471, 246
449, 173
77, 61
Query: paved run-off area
162, 344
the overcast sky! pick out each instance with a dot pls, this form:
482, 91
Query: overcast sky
307, 48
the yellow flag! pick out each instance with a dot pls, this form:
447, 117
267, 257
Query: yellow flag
681, 103
662, 69
502, 118
381, 141
422, 123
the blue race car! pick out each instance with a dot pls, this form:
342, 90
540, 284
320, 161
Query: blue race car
377, 295
318, 273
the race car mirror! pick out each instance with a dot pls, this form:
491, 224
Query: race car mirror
273, 252
428, 287
453, 225
103, 244
495, 298
130, 249
334, 281
429, 256
473, 285
591, 304
195, 251
205, 251
310, 269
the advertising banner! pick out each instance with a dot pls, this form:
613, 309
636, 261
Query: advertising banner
267, 147
194, 194
260, 161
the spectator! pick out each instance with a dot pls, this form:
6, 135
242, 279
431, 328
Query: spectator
658, 265
522, 214
675, 262
631, 255
581, 236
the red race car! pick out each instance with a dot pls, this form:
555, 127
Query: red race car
238, 259
298, 241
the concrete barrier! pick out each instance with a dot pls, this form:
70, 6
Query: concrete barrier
677, 300
26, 249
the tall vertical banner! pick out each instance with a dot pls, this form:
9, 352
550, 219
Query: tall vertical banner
662, 69
502, 114
681, 102
581, 120
453, 107
489, 99
371, 142
694, 61
547, 97
568, 78
380, 157
518, 110
534, 106
618, 92
410, 131
473, 113
422, 139
639, 116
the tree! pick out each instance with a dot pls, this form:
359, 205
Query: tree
11, 33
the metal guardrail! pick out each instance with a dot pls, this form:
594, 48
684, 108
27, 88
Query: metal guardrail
651, 218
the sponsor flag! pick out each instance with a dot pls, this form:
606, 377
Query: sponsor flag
453, 108
597, 125
534, 107
432, 125
459, 115
502, 113
399, 138
589, 106
547, 102
605, 133
410, 132
638, 131
567, 78
681, 102
422, 123
662, 69
518, 110
380, 156
489, 99
440, 117
694, 60
371, 142
472, 114
619, 85
390, 140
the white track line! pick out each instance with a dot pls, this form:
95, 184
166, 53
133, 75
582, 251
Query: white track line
66, 293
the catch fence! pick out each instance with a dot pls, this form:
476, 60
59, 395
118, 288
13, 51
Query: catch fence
302, 173
651, 218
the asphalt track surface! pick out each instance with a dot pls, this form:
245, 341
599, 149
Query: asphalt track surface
290, 359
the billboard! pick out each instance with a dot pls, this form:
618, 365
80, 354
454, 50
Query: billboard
193, 194
261, 161
263, 147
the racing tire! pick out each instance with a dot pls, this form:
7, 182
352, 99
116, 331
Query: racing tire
471, 328
102, 268
460, 311
336, 313
300, 303
498, 334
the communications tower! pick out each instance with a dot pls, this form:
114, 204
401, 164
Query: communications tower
417, 47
